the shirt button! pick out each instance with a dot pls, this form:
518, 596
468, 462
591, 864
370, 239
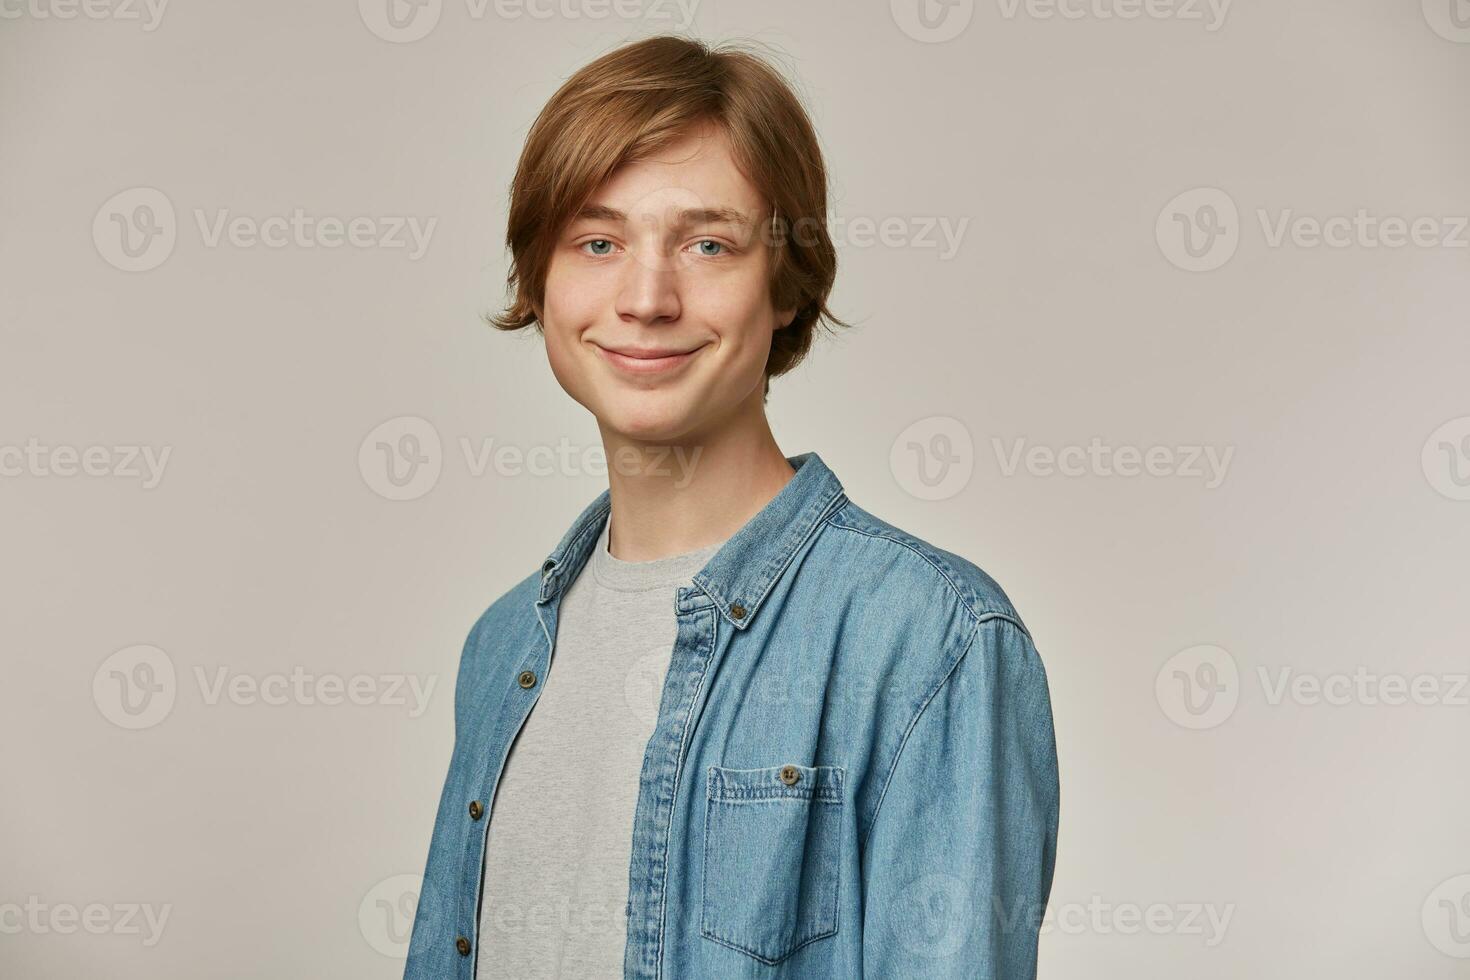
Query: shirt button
738, 611
463, 945
789, 775
476, 810
528, 678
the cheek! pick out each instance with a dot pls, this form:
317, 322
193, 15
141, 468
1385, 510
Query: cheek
562, 320
568, 306
569, 369
746, 319
557, 295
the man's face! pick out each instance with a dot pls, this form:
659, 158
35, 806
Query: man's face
657, 312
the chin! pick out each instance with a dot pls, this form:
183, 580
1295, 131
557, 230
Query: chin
656, 420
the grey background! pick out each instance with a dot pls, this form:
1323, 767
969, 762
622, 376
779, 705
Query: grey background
284, 839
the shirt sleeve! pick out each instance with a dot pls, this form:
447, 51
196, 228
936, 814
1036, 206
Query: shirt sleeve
957, 865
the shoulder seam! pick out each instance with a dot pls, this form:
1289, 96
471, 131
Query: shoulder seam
976, 616
924, 706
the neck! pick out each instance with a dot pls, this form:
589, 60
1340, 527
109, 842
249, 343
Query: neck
674, 496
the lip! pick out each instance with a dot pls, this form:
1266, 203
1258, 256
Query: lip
652, 361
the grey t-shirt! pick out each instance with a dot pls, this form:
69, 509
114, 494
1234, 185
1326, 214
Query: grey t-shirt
561, 826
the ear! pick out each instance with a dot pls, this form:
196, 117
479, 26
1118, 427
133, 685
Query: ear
784, 318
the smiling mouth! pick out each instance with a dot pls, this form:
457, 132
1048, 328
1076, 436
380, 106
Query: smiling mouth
646, 362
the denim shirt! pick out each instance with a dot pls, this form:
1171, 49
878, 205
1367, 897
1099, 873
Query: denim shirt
852, 774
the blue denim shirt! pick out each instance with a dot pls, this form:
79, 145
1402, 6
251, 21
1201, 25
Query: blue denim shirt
853, 772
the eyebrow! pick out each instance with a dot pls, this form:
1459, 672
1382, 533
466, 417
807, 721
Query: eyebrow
684, 217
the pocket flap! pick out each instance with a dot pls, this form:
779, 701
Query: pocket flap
775, 782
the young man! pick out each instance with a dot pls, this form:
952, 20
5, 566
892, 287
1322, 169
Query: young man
778, 737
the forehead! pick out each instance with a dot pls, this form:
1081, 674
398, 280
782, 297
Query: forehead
698, 170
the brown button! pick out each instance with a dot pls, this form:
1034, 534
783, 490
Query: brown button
463, 945
738, 611
789, 775
528, 678
476, 810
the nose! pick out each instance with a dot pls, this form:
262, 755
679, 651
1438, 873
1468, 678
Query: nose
649, 290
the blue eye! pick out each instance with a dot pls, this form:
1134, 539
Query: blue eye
598, 241
714, 243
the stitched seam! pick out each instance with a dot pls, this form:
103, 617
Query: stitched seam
704, 871
708, 931
976, 616
572, 545
758, 795
822, 782
663, 906
915, 723
772, 572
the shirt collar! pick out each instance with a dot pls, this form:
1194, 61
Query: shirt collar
741, 572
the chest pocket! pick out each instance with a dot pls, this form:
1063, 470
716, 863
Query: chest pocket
772, 858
